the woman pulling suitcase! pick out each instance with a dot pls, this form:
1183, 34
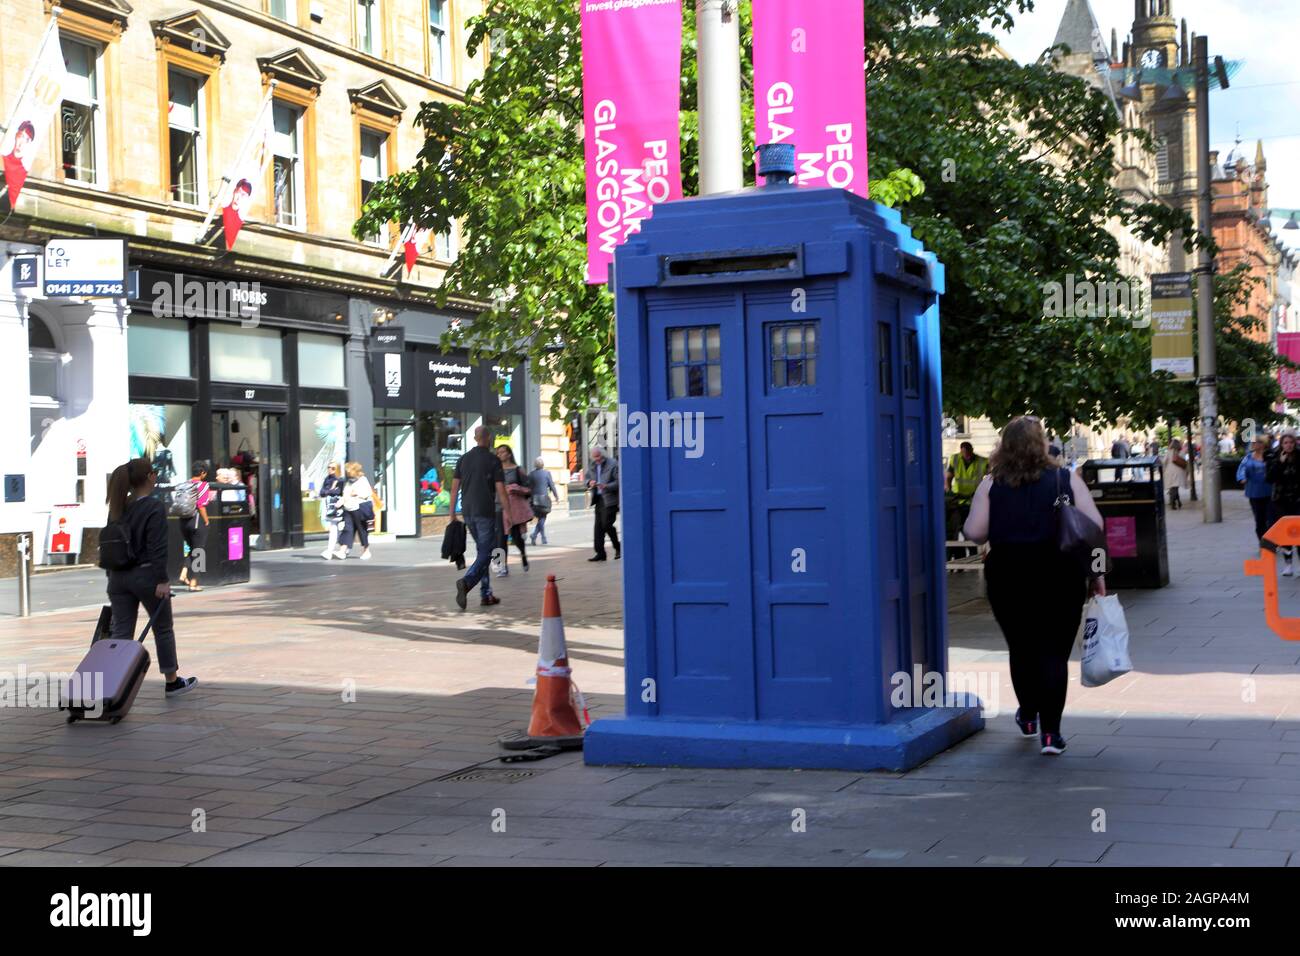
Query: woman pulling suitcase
143, 519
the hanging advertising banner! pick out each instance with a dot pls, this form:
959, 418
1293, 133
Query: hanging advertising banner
25, 134
1288, 346
810, 88
392, 375
246, 175
631, 93
1172, 346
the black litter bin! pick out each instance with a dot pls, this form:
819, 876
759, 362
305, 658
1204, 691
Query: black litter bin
1137, 543
224, 540
1228, 473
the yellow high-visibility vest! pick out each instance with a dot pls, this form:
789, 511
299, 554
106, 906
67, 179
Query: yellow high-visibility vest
967, 475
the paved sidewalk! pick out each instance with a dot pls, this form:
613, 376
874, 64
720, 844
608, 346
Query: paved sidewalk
1192, 759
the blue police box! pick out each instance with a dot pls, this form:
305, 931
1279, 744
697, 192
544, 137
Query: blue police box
782, 488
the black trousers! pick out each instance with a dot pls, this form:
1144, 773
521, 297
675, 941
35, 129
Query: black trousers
605, 518
127, 591
1037, 597
195, 533
516, 535
1262, 508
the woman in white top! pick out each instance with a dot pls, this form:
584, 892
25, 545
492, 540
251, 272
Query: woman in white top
1175, 473
358, 511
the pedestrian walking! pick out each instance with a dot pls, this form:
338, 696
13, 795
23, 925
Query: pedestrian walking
515, 511
1036, 592
1120, 449
602, 479
144, 521
358, 511
480, 480
194, 529
1175, 468
543, 492
1283, 473
1253, 474
332, 515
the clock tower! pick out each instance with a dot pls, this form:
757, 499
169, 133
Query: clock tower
1155, 35
1155, 53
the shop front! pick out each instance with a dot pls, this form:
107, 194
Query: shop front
249, 377
427, 403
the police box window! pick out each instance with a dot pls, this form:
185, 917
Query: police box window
911, 364
695, 362
793, 354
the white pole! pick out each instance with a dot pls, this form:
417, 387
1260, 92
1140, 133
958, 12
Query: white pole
239, 161
717, 24
50, 28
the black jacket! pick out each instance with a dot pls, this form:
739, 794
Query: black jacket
1284, 476
146, 523
453, 543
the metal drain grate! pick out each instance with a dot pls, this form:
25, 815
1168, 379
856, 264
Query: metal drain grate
498, 774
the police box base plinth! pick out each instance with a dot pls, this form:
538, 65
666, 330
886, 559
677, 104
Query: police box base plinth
912, 738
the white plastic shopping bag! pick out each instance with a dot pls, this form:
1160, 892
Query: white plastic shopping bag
1105, 642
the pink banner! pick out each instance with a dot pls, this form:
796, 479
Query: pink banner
810, 88
1288, 346
631, 89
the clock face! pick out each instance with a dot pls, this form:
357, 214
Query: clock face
1153, 59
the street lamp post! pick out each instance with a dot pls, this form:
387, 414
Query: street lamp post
717, 26
1207, 378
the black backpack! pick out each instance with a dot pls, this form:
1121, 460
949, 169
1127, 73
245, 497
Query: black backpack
115, 550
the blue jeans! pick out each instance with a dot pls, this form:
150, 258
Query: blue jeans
484, 532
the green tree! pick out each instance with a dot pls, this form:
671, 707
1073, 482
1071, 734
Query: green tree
960, 139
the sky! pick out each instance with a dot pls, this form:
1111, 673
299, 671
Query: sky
1263, 99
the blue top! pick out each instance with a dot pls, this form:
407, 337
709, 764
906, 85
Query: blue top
1254, 474
1026, 514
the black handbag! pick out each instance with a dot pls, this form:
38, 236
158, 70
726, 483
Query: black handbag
1077, 536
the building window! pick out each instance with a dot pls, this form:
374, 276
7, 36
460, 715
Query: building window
793, 355
1162, 159
885, 348
185, 137
374, 167
440, 40
253, 356
290, 201
82, 113
444, 244
695, 362
368, 26
157, 346
320, 361
282, 9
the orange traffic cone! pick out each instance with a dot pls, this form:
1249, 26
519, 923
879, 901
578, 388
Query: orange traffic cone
555, 719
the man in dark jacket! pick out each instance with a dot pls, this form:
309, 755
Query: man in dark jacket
480, 476
602, 479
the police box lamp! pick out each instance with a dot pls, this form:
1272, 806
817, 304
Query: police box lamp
775, 339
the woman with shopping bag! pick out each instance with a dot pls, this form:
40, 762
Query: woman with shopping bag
1037, 589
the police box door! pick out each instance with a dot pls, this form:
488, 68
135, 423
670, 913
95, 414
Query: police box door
703, 633
801, 659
